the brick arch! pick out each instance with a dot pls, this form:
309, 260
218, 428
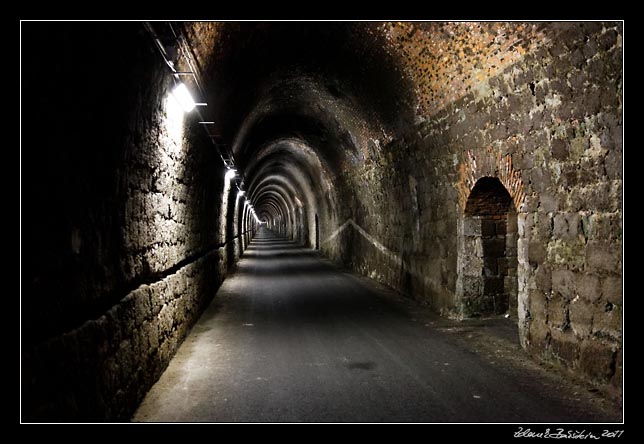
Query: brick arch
489, 163
488, 198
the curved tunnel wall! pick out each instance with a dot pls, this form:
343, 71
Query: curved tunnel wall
379, 131
137, 238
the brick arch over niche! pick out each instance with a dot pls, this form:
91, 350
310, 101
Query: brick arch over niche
491, 164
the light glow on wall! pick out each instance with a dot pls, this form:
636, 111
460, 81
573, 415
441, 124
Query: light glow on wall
153, 219
172, 125
183, 96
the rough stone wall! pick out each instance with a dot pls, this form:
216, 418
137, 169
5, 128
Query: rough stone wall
103, 369
121, 247
549, 127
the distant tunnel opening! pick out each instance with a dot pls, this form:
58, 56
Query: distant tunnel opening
489, 251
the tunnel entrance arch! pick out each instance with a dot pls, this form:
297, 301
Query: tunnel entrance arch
487, 259
317, 232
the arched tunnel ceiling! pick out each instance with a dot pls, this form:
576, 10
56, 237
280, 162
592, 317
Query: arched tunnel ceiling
277, 195
388, 72
276, 183
302, 69
290, 161
306, 100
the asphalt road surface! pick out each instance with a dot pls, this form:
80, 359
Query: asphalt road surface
290, 338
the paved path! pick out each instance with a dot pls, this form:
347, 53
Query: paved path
290, 338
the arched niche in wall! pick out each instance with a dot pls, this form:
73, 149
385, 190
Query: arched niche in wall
487, 256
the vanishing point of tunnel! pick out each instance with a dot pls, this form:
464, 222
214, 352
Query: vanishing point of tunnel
321, 222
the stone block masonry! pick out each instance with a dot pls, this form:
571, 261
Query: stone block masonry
549, 127
475, 167
106, 365
130, 252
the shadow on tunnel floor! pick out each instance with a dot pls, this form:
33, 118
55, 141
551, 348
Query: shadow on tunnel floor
289, 316
329, 296
286, 264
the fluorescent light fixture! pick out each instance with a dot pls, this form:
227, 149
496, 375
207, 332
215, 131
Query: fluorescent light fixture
181, 93
230, 174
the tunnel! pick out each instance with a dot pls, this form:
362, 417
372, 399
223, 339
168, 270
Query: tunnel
353, 221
